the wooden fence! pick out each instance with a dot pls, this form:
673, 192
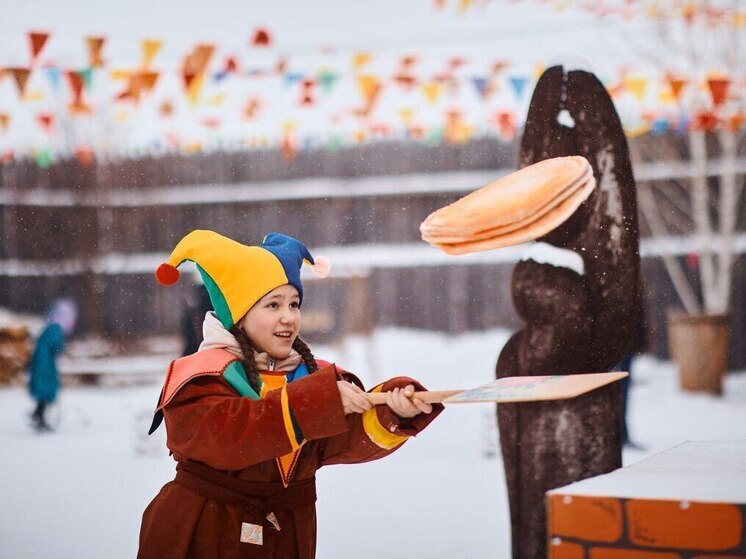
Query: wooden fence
62, 235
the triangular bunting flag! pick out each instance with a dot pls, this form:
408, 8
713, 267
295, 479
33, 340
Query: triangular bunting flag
518, 84
718, 90
54, 76
431, 91
95, 46
360, 59
87, 75
637, 86
4, 121
291, 78
261, 38
38, 40
76, 83
482, 86
195, 88
150, 48
166, 109
369, 86
46, 121
20, 75
326, 78
677, 85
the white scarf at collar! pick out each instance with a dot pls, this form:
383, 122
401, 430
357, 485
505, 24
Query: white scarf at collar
217, 337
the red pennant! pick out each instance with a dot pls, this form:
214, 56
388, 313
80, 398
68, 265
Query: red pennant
262, 38
76, 83
718, 90
705, 121
210, 122
231, 65
46, 121
289, 148
38, 40
407, 81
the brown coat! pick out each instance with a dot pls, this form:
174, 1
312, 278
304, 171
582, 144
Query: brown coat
232, 451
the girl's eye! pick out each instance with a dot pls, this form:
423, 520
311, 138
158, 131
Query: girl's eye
295, 305
272, 305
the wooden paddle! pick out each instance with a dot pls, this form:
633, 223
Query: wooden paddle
516, 389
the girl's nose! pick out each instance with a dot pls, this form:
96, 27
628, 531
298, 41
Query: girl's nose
287, 317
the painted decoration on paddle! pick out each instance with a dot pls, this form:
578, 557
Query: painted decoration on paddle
535, 388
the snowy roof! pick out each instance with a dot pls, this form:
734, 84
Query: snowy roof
709, 471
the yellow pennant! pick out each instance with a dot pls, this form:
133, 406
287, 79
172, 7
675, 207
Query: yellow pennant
195, 88
216, 100
120, 75
431, 91
406, 115
150, 48
35, 95
637, 86
360, 59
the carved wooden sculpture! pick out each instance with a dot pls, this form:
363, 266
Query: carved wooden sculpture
575, 322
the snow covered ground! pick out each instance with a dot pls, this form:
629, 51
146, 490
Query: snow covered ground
79, 492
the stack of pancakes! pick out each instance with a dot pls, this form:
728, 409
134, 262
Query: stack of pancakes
517, 208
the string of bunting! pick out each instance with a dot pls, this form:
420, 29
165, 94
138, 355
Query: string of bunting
214, 99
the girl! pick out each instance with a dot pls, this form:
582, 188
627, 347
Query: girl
253, 414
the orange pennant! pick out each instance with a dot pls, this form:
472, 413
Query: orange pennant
197, 61
735, 122
38, 40
166, 109
718, 90
95, 46
4, 121
370, 87
85, 156
677, 85
21, 76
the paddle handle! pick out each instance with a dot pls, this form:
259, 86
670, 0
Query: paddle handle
428, 396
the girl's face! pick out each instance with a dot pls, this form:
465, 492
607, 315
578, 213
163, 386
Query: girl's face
273, 322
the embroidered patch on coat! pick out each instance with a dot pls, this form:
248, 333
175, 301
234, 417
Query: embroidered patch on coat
251, 533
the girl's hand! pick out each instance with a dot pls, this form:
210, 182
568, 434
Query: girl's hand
353, 399
402, 404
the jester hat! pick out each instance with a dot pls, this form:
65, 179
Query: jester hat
237, 276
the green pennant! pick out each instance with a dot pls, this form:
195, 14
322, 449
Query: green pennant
327, 80
44, 159
87, 76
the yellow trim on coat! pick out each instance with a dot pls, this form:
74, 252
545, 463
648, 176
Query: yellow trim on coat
286, 417
377, 432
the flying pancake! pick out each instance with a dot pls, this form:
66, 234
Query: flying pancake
514, 209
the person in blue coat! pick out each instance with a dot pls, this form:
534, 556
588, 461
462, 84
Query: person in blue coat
44, 376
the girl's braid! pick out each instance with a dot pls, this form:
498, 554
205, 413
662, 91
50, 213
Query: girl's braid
247, 349
305, 352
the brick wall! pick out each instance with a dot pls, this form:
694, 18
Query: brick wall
611, 528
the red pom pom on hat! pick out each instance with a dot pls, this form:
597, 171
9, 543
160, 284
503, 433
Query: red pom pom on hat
167, 274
